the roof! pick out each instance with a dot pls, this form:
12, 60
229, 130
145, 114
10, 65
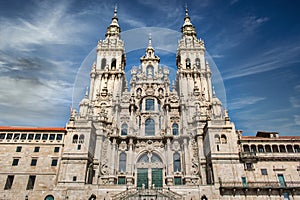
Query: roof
273, 138
21, 128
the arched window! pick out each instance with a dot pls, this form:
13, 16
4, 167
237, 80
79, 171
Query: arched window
149, 104
261, 149
177, 162
150, 71
282, 149
253, 148
223, 139
275, 149
246, 148
124, 129
289, 149
268, 148
49, 197
75, 138
113, 63
103, 63
188, 63
197, 63
122, 162
155, 158
175, 129
144, 158
296, 148
81, 138
217, 139
149, 127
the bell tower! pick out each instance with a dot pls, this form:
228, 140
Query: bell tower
107, 74
194, 75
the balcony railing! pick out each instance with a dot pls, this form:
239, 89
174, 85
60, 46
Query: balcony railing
141, 192
288, 184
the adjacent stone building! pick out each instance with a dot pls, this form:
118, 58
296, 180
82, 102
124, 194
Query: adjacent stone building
148, 139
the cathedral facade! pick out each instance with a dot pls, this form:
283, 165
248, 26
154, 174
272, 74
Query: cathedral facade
148, 139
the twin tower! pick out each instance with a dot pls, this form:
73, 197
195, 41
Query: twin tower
155, 134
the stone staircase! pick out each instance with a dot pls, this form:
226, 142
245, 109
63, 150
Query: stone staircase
147, 194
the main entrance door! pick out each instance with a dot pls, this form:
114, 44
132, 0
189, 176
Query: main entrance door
149, 171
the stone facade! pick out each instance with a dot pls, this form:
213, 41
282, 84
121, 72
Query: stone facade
156, 140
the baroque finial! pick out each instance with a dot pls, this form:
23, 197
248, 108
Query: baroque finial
115, 10
150, 40
186, 10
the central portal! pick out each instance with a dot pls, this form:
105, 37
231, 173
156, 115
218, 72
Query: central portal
149, 171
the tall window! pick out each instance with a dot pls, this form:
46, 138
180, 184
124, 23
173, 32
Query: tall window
81, 139
9, 182
122, 162
103, 63
33, 162
149, 127
30, 183
175, 129
177, 162
188, 63
149, 104
223, 139
113, 63
198, 63
124, 129
75, 139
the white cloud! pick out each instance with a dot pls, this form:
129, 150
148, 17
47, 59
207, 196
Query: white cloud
44, 26
297, 119
239, 103
295, 102
268, 60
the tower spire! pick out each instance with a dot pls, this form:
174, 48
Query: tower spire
186, 10
150, 40
187, 27
114, 28
115, 11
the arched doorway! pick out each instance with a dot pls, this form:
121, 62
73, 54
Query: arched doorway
149, 171
49, 197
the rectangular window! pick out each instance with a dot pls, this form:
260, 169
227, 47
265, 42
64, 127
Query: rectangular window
264, 172
149, 104
15, 162
45, 137
244, 181
30, 136
9, 182
54, 162
2, 136
52, 137
177, 181
30, 184
56, 149
18, 149
59, 137
16, 136
23, 136
33, 162
79, 147
121, 181
37, 136
74, 178
249, 166
9, 136
36, 149
281, 180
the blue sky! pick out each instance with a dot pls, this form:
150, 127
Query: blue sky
255, 45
